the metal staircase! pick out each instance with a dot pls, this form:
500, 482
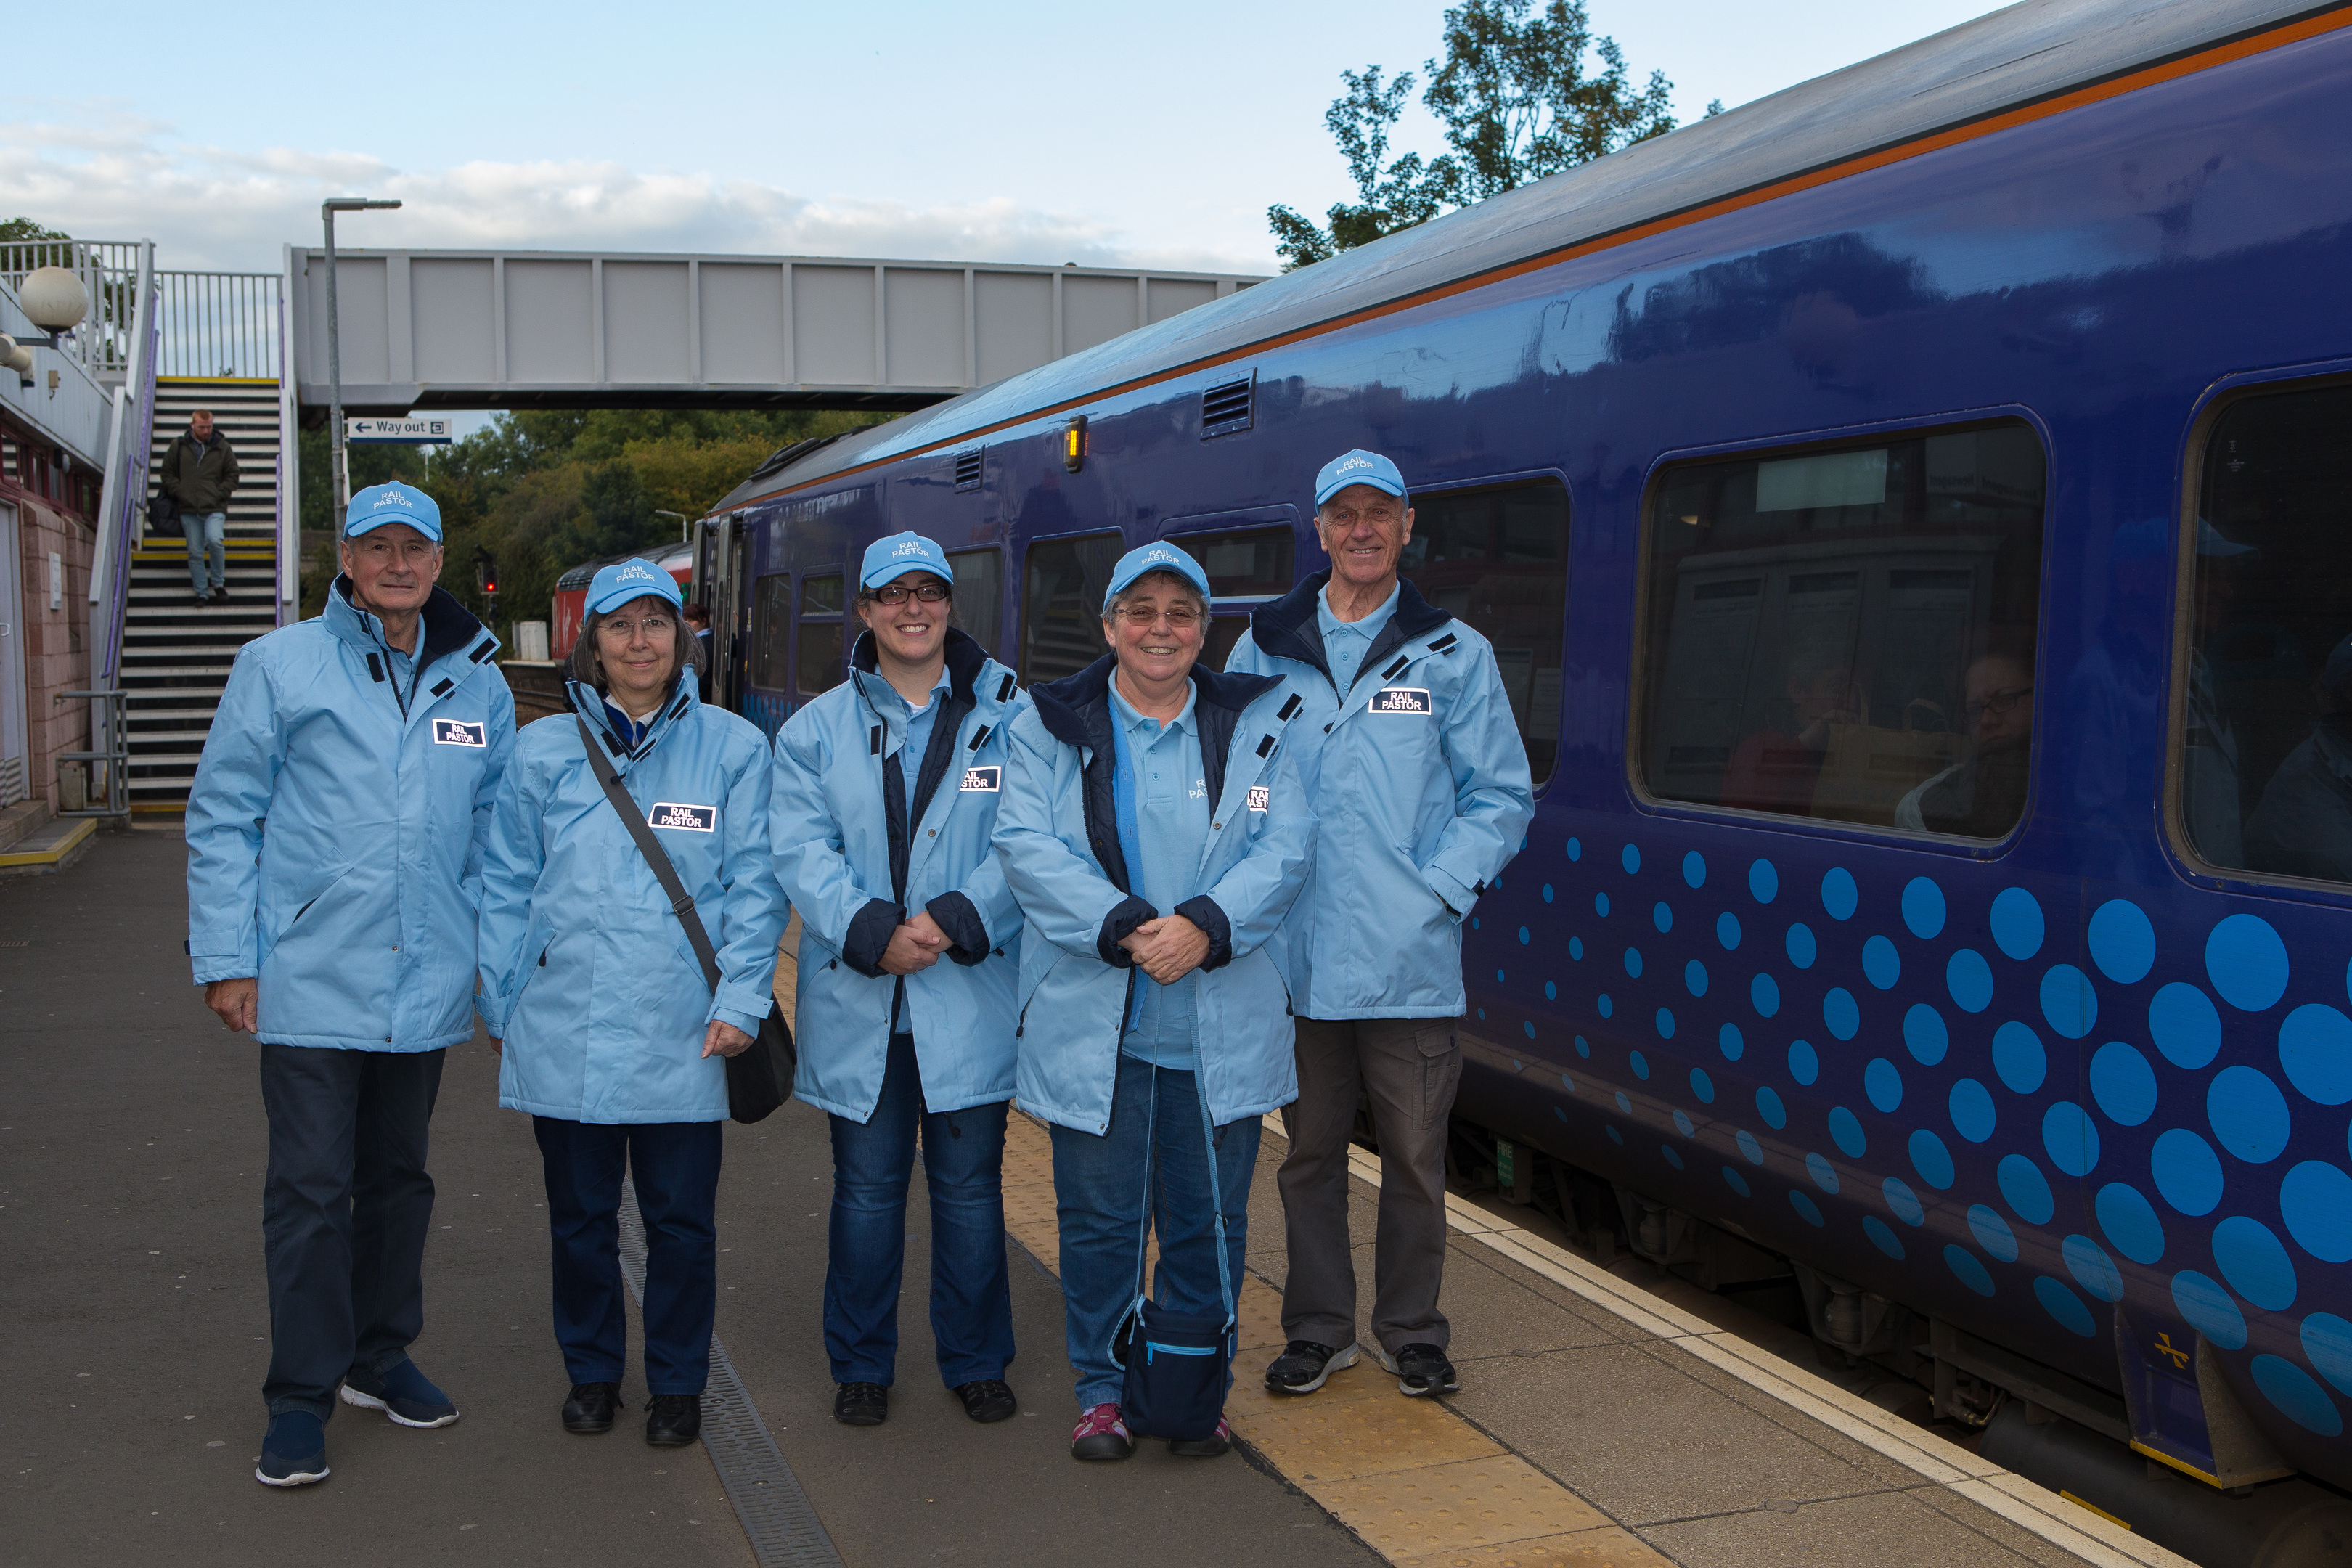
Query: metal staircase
175, 653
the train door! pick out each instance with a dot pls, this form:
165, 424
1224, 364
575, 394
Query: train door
1251, 557
14, 737
820, 634
720, 558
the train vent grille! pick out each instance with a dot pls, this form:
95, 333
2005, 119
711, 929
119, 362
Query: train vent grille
967, 469
1226, 408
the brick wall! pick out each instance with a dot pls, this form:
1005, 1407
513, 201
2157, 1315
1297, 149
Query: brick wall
56, 642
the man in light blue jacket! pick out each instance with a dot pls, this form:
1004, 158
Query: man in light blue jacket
886, 789
334, 849
1420, 785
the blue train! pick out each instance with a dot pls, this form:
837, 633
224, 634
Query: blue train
1914, 516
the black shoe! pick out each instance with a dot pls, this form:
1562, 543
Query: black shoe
1208, 1447
220, 595
589, 1407
673, 1420
861, 1404
1422, 1369
984, 1400
1305, 1367
203, 599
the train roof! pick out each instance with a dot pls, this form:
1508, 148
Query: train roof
2024, 55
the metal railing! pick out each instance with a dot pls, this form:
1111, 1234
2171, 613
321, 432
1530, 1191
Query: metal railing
108, 271
219, 324
109, 759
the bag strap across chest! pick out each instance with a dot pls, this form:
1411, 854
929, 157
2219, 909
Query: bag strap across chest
681, 902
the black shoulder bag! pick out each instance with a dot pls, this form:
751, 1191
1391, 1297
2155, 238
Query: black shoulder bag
759, 1076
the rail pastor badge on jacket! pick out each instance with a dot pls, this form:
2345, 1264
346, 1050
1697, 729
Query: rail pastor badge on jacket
1402, 699
692, 819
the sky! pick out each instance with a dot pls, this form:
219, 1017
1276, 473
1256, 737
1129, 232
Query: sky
1030, 131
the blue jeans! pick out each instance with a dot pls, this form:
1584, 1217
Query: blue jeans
207, 534
1098, 1186
963, 1166
675, 1168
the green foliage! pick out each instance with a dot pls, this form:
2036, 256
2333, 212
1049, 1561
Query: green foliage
543, 490
19, 229
1516, 104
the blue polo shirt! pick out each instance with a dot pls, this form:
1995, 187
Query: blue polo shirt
1345, 643
1161, 792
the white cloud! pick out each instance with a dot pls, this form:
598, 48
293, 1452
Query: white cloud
102, 172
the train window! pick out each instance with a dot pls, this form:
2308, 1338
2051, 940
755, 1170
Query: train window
1243, 564
1848, 634
2265, 772
819, 635
980, 594
1061, 604
1498, 560
772, 610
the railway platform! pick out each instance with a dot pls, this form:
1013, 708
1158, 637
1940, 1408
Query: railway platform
1608, 1417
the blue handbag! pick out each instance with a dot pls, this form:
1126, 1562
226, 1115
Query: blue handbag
1176, 1364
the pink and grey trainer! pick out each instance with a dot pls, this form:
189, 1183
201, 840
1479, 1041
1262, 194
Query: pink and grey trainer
1100, 1435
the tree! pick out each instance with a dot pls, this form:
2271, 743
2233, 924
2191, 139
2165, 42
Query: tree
1516, 104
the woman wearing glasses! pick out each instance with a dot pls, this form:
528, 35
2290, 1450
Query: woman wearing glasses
612, 1037
886, 789
1154, 832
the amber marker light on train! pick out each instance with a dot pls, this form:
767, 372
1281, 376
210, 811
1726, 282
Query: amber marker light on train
1074, 443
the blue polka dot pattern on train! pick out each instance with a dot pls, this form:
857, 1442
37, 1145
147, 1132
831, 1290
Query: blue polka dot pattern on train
1923, 908
1804, 1205
2129, 1222
2025, 1189
1765, 993
1769, 1106
1665, 1021
2247, 963
1624, 1105
1969, 1269
1902, 1203
1551, 991
2248, 1114
1600, 905
1970, 980
1727, 1039
1881, 1237
1575, 849
2327, 1345
2315, 1202
1839, 895
1671, 1156
1763, 882
2069, 1004
1804, 1064
2123, 1084
1695, 870
1735, 1181
2184, 1025
1583, 1046
2070, 1138
2199, 1300
1845, 1132
1640, 1064
1802, 949
2254, 1262
2295, 1396
2123, 944
1882, 1080
2093, 1269
1576, 948
2064, 1306
1525, 937
1970, 1104
1840, 1013
2016, 922
1924, 1035
1748, 1146
1695, 978
1630, 860
1824, 1173
1881, 964
1993, 1233
1546, 892
1727, 930
2018, 1057
2187, 1173
1932, 1160
2314, 1047
1702, 1085
1662, 916
1633, 961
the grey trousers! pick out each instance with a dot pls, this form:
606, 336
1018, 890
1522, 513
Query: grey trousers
1409, 1069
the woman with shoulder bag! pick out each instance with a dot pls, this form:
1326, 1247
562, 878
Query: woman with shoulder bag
613, 1039
887, 790
1154, 832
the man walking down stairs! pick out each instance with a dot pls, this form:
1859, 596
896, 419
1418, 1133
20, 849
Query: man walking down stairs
199, 473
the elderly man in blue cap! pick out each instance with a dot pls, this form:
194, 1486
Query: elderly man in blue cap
1421, 787
335, 832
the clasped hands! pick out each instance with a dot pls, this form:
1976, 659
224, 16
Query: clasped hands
1168, 948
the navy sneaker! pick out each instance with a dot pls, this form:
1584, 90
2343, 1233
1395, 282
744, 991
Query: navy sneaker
294, 1454
1420, 1370
401, 1392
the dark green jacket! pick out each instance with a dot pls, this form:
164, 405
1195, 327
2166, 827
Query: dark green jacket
200, 474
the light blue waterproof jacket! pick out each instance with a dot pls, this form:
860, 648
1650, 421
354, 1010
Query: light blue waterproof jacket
334, 839
587, 976
1058, 837
1421, 782
854, 867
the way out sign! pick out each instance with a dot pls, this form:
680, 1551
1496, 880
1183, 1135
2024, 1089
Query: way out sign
401, 432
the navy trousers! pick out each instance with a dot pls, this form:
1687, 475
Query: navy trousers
345, 1209
675, 1168
963, 1166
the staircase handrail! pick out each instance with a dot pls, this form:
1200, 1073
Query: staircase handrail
124, 512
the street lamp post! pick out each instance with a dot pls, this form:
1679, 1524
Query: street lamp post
341, 462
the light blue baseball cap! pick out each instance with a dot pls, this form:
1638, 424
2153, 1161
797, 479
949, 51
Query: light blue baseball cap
900, 554
636, 578
1155, 558
1357, 468
393, 502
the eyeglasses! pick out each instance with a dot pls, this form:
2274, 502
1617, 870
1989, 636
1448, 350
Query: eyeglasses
2000, 704
897, 593
1179, 617
656, 627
